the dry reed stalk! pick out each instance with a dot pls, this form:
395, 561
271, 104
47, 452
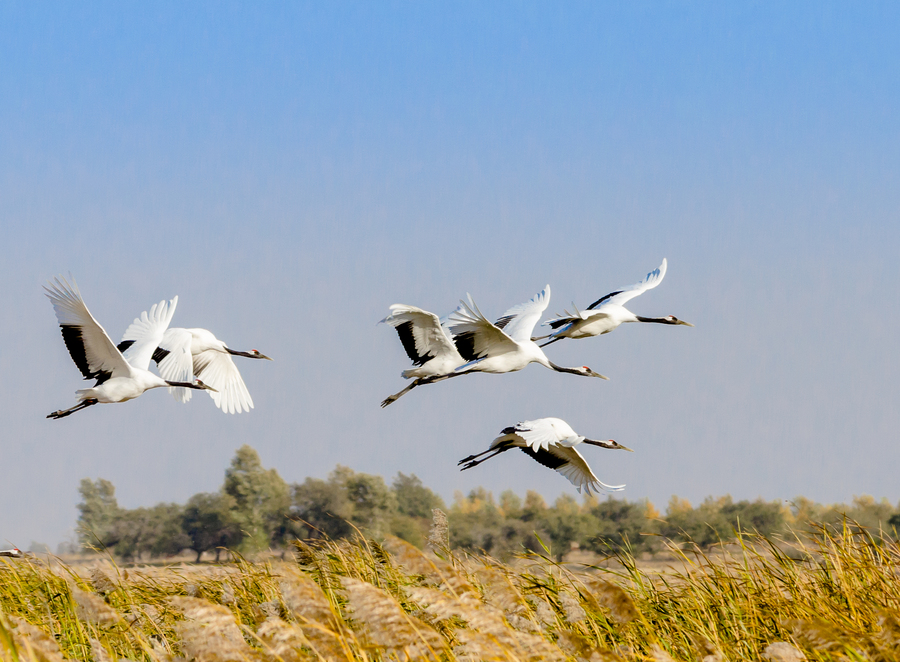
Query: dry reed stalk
388, 626
609, 598
315, 614
158, 651
488, 635
571, 608
99, 652
210, 633
438, 540
436, 571
782, 651
29, 641
91, 608
659, 654
815, 633
283, 641
500, 592
101, 581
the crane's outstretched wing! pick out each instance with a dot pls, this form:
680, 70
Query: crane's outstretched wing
145, 333
89, 345
537, 434
620, 297
173, 357
218, 370
518, 322
569, 462
420, 331
475, 336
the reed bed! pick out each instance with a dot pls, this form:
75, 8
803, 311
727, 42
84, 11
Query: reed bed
832, 596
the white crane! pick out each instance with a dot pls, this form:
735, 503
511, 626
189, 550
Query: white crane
507, 345
15, 553
607, 312
496, 348
427, 342
183, 353
119, 376
550, 441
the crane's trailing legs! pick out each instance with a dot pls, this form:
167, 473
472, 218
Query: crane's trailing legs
391, 398
71, 410
472, 460
418, 382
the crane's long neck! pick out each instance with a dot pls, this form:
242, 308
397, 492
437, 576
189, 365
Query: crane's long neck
186, 385
657, 320
559, 368
604, 444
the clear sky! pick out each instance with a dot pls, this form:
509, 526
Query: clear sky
290, 170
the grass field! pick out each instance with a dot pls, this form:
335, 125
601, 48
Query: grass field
836, 597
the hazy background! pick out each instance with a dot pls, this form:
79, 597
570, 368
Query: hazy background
291, 171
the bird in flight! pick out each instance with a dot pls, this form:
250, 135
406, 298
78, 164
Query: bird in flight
183, 353
504, 346
428, 343
552, 442
120, 376
607, 312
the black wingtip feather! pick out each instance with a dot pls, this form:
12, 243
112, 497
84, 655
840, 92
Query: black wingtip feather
503, 321
75, 344
544, 457
405, 331
602, 299
465, 345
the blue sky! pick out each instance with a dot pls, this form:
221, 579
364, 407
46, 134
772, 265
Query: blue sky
291, 171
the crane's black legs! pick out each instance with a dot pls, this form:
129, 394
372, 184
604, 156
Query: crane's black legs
388, 400
550, 342
472, 462
418, 382
72, 410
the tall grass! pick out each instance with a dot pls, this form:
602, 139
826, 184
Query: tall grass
835, 596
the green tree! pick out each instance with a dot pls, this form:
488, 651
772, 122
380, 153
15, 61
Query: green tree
413, 498
261, 500
320, 509
757, 516
373, 502
704, 525
98, 511
620, 524
209, 522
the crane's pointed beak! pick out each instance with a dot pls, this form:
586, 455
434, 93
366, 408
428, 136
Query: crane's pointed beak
624, 448
685, 323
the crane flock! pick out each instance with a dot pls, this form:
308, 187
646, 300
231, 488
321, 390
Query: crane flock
465, 342
121, 370
462, 343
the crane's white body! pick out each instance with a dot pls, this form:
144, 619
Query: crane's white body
499, 350
426, 339
552, 442
121, 377
507, 345
188, 353
607, 313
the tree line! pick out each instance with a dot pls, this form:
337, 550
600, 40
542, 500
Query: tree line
255, 509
